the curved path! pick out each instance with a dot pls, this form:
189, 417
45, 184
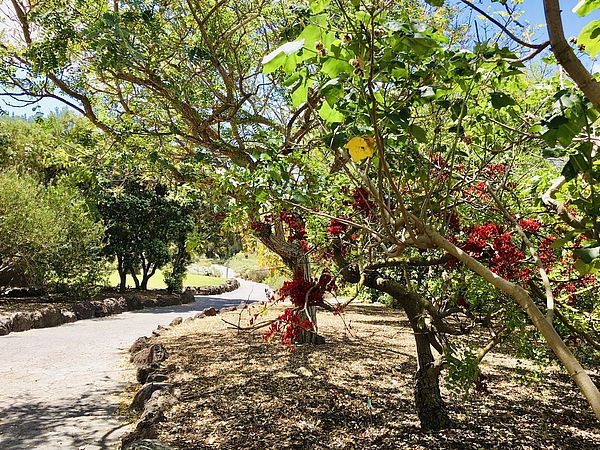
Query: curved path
59, 386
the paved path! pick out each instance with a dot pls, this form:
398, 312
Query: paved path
59, 386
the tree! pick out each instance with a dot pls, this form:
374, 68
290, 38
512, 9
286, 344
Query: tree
143, 222
386, 111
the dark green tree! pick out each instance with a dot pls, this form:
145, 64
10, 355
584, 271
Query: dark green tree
146, 228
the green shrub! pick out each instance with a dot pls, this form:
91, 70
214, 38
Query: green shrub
47, 236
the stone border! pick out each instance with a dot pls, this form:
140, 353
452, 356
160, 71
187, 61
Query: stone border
53, 316
156, 395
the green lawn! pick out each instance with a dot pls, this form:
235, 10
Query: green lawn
157, 282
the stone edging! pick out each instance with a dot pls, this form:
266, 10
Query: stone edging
52, 316
156, 394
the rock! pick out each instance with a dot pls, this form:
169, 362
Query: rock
49, 317
5, 326
156, 377
144, 373
188, 295
200, 316
188, 320
68, 316
147, 444
139, 344
176, 321
22, 321
144, 394
209, 312
84, 310
100, 309
134, 303
156, 353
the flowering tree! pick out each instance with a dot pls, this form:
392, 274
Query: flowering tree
428, 137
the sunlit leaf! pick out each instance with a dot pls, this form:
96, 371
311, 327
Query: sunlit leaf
277, 57
584, 7
590, 38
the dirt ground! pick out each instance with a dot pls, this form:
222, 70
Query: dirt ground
354, 392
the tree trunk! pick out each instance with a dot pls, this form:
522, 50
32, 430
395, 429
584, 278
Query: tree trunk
122, 274
310, 336
135, 278
431, 409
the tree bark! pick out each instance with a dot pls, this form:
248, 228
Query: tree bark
122, 274
566, 56
431, 408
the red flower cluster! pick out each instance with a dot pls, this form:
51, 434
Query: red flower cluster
490, 240
288, 326
507, 257
494, 170
336, 227
531, 225
361, 202
479, 190
546, 253
299, 291
296, 226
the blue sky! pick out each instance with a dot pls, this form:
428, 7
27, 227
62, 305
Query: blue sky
533, 14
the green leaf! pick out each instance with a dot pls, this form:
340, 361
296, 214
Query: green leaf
300, 93
500, 100
316, 6
587, 255
590, 38
584, 7
575, 165
333, 67
328, 114
332, 91
418, 133
437, 3
278, 57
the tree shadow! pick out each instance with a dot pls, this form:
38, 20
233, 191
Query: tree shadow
30, 423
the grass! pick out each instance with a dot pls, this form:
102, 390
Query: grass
157, 281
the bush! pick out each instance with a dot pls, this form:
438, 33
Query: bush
47, 235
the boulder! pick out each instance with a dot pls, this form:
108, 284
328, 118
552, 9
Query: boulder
134, 302
49, 317
188, 295
176, 321
209, 312
200, 316
84, 310
22, 321
156, 377
139, 344
144, 394
5, 326
68, 316
156, 353
144, 373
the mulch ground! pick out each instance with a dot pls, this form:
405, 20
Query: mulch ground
355, 392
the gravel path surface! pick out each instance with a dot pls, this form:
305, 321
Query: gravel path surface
59, 386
